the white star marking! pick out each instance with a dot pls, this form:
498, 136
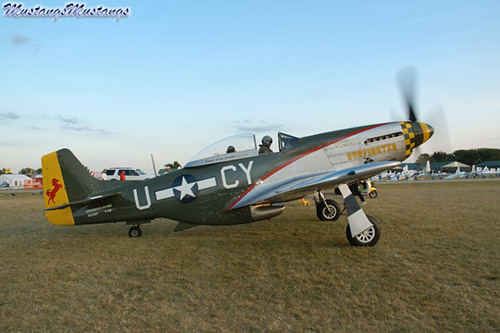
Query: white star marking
169, 192
185, 188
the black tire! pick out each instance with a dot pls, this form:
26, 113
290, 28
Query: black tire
135, 232
373, 194
323, 212
369, 237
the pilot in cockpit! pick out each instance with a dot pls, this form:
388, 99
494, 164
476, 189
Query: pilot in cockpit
265, 147
230, 149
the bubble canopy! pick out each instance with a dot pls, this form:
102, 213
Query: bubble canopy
244, 146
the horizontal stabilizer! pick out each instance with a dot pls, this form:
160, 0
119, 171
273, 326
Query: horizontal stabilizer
85, 201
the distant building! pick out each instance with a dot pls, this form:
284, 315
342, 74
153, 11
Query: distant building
411, 166
15, 181
453, 166
489, 164
35, 183
449, 166
436, 166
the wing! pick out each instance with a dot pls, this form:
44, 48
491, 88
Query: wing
297, 186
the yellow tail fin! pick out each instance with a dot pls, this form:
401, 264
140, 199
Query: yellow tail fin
55, 192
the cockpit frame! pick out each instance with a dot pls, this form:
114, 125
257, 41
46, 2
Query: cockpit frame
245, 145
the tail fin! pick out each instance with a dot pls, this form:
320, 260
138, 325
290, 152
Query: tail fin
54, 188
66, 182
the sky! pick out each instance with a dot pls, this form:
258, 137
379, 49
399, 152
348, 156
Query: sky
175, 76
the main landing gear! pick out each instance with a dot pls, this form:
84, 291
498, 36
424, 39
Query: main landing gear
135, 231
361, 230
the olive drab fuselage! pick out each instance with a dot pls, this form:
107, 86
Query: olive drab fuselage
232, 191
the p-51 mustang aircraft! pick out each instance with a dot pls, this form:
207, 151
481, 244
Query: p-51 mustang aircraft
238, 187
217, 187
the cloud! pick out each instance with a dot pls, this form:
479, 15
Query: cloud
260, 126
34, 128
5, 116
88, 129
19, 40
77, 125
69, 121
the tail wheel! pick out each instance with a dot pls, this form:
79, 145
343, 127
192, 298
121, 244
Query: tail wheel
329, 211
369, 237
135, 232
373, 194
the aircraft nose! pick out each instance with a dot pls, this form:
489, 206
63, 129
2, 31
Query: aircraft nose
423, 132
431, 130
415, 133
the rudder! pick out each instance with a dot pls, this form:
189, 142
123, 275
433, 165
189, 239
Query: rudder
54, 189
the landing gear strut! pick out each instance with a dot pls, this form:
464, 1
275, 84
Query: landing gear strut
326, 209
362, 229
135, 231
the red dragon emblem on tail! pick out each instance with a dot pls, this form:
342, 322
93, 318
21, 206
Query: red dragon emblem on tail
52, 193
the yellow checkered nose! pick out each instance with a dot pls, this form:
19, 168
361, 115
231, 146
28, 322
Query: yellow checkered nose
425, 132
415, 134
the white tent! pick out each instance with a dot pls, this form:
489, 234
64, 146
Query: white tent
14, 181
453, 166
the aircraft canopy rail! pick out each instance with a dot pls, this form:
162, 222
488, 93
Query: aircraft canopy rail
244, 146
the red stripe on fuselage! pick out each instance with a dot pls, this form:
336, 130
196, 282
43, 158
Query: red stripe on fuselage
272, 172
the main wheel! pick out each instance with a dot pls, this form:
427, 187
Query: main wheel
328, 213
135, 232
373, 194
369, 237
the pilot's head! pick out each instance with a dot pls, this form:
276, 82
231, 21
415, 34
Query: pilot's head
230, 149
267, 141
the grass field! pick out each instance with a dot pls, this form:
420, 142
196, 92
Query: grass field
436, 268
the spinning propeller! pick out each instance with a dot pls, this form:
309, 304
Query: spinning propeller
407, 78
407, 81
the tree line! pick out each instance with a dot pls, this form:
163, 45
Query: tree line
24, 171
466, 156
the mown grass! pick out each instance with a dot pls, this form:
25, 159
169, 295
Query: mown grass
436, 268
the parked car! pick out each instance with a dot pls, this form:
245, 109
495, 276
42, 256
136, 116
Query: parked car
130, 174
